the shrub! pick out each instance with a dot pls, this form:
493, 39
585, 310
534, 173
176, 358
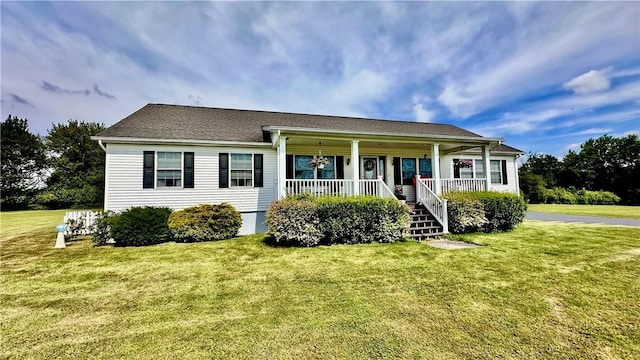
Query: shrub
361, 219
484, 211
596, 197
100, 229
465, 216
140, 226
204, 223
294, 222
558, 195
309, 221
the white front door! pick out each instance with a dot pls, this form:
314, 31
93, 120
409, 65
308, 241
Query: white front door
369, 167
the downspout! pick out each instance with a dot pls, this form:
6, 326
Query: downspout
106, 176
102, 145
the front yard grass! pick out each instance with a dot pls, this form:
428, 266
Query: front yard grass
614, 211
545, 290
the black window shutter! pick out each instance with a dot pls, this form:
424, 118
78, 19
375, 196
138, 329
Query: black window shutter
257, 170
188, 170
397, 171
289, 166
456, 169
148, 169
223, 173
339, 167
504, 172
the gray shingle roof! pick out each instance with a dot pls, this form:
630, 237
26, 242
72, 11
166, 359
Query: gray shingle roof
159, 121
504, 148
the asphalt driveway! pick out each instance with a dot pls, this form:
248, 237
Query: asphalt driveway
540, 216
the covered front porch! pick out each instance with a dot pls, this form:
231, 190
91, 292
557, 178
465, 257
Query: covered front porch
381, 166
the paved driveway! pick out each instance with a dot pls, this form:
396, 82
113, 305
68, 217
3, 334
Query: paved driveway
540, 216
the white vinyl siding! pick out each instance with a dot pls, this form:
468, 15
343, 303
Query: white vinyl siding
123, 181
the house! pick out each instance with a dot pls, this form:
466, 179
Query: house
180, 156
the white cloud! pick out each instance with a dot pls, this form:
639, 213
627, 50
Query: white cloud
590, 82
422, 114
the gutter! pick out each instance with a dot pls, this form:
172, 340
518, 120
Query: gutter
151, 141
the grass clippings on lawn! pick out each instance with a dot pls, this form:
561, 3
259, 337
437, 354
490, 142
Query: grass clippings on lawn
542, 291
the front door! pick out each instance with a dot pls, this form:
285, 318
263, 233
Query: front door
372, 166
369, 168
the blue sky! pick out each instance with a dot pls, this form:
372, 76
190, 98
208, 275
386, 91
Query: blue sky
545, 75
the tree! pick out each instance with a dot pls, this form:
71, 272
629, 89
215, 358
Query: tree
545, 165
77, 179
23, 163
609, 163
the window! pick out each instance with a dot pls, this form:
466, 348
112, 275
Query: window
479, 167
463, 168
408, 171
241, 170
169, 172
302, 169
496, 172
167, 169
425, 168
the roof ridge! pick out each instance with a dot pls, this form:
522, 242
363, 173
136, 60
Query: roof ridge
316, 115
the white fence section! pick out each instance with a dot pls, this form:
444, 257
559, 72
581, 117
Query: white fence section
464, 185
79, 222
436, 205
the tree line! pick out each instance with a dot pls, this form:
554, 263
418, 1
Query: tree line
607, 163
64, 169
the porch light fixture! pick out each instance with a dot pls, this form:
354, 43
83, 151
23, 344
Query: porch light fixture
424, 156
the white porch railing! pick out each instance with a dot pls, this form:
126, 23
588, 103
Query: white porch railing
319, 187
436, 205
464, 185
375, 187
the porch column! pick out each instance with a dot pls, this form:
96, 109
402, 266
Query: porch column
435, 168
355, 160
487, 167
282, 167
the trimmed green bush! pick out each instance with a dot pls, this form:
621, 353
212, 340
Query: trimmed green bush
294, 222
361, 219
205, 223
465, 216
140, 226
309, 221
485, 211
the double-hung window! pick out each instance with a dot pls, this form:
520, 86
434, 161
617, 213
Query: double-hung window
463, 168
241, 166
166, 169
497, 177
169, 173
240, 170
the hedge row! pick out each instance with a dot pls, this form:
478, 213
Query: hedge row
484, 211
141, 226
309, 221
558, 195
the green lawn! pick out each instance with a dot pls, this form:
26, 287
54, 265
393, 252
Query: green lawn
614, 211
546, 290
